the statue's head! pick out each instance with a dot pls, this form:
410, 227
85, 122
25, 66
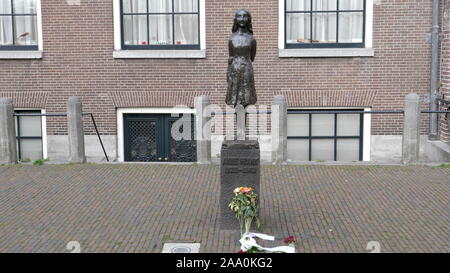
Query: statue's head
243, 19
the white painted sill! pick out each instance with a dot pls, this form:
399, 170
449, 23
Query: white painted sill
159, 54
20, 54
325, 52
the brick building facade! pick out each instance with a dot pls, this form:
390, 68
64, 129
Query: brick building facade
80, 53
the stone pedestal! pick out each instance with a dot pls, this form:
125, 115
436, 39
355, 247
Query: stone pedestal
239, 166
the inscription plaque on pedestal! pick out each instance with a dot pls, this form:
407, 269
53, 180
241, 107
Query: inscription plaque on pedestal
239, 166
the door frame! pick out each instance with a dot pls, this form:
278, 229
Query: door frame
120, 122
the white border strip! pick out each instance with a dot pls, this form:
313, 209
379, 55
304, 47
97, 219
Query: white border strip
367, 139
117, 25
44, 135
39, 25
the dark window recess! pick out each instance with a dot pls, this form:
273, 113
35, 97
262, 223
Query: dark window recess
18, 25
152, 138
325, 137
325, 23
29, 135
160, 24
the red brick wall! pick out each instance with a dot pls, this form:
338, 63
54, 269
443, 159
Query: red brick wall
445, 73
78, 46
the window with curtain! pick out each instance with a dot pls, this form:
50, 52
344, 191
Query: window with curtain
160, 24
324, 23
18, 25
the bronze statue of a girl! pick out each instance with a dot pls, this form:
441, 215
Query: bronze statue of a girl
242, 50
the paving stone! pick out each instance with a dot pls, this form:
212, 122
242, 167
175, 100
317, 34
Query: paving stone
139, 207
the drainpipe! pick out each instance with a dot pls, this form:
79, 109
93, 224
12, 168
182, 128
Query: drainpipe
434, 71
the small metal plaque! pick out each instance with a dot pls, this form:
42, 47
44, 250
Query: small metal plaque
181, 248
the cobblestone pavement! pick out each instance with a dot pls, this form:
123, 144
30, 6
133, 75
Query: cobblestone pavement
136, 208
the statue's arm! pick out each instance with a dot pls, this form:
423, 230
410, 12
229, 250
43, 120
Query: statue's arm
253, 50
230, 52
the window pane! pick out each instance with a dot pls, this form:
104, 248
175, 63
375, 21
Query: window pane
298, 5
324, 28
350, 27
186, 29
5, 6
322, 149
135, 6
324, 5
347, 149
26, 30
157, 6
135, 29
348, 125
6, 35
31, 149
186, 5
160, 32
351, 4
298, 125
322, 125
30, 126
25, 6
298, 27
298, 149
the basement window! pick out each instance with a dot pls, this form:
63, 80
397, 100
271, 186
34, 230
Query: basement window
325, 137
29, 135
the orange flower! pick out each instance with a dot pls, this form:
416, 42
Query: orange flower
246, 189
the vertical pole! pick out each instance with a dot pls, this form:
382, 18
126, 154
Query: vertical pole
75, 130
279, 130
434, 88
8, 148
203, 129
411, 130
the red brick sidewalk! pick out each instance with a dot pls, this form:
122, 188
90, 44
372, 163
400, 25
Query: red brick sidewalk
136, 208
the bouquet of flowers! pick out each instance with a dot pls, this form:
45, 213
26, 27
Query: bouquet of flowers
245, 206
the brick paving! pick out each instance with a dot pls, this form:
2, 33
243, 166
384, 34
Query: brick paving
138, 207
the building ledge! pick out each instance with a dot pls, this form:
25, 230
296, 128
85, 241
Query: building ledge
325, 52
159, 54
20, 54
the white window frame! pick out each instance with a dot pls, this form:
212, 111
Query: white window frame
367, 121
119, 53
28, 54
43, 128
367, 51
122, 111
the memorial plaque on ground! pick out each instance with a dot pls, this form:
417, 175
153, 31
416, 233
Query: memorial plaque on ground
239, 167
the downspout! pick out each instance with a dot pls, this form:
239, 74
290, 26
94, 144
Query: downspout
434, 71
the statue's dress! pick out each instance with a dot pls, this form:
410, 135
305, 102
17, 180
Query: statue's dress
241, 83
